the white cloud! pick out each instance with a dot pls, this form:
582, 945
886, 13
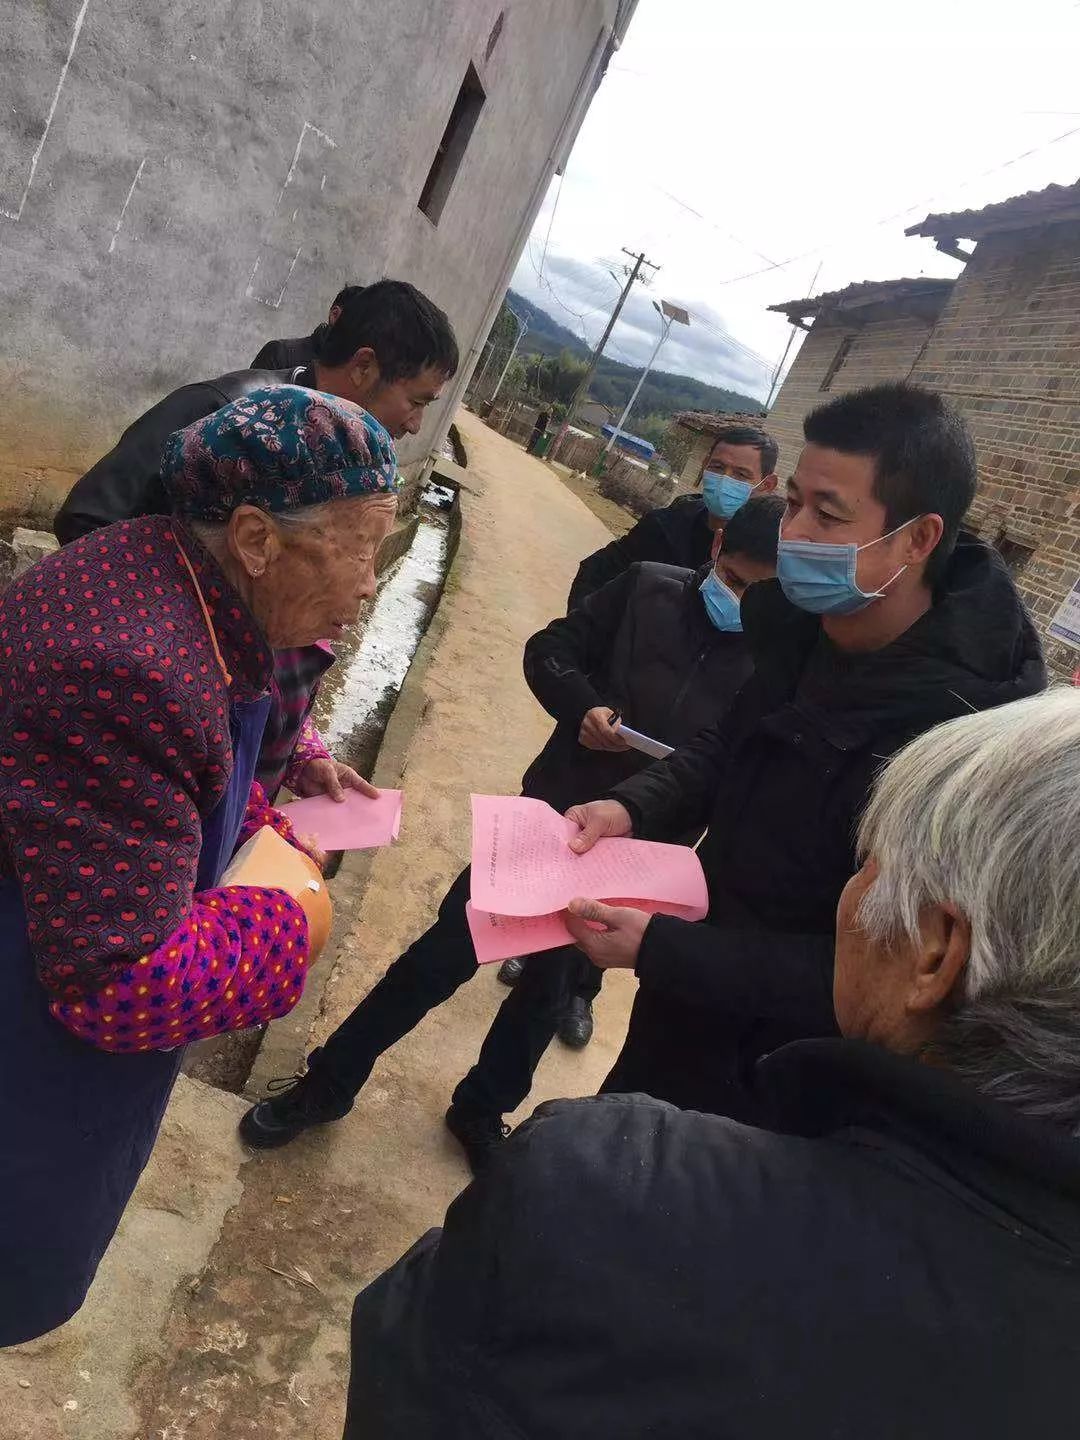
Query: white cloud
808, 135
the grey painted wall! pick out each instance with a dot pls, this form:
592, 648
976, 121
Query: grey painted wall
180, 182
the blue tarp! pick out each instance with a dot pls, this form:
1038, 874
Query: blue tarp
633, 443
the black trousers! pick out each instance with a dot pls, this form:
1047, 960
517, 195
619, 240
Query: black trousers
428, 973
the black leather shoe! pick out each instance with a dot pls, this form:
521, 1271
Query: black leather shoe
510, 970
300, 1102
576, 1026
479, 1135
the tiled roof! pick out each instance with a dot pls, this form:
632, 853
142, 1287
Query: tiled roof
866, 293
1037, 207
705, 423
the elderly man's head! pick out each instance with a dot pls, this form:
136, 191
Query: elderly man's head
959, 939
293, 492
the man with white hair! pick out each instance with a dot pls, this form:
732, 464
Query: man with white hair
896, 1255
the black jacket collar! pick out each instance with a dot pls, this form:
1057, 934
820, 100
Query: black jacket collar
974, 648
1025, 1167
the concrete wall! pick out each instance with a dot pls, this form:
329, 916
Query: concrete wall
1007, 350
882, 350
179, 183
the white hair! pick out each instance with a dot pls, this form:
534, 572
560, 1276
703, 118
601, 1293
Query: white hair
984, 812
211, 533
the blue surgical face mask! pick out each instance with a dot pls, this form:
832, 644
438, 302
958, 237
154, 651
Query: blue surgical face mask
821, 578
721, 603
724, 495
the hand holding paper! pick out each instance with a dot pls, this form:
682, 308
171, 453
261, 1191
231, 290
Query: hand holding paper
525, 874
359, 822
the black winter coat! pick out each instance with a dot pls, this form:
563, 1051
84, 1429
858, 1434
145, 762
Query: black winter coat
127, 481
644, 646
903, 1263
288, 354
781, 783
676, 534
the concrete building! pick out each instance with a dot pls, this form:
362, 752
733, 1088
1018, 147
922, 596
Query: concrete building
179, 185
701, 428
860, 335
1003, 342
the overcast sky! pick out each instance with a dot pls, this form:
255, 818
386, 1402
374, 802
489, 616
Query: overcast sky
800, 135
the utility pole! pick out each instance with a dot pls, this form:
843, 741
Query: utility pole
523, 325
791, 339
669, 314
586, 380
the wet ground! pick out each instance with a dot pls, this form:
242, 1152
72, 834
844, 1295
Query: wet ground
359, 693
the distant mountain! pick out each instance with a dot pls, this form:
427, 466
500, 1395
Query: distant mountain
662, 394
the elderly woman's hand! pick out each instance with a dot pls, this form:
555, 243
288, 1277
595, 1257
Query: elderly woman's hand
331, 777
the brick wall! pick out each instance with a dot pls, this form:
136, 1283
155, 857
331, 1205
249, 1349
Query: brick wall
1006, 350
883, 350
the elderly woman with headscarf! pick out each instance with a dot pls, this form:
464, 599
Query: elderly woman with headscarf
134, 670
897, 1256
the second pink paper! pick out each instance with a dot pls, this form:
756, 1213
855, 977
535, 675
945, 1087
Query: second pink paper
355, 823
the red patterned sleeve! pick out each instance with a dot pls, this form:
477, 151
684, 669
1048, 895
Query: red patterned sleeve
108, 764
309, 746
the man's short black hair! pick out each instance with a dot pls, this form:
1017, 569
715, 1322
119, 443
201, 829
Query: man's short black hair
754, 529
404, 328
344, 295
924, 458
761, 440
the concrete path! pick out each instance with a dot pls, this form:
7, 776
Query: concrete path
222, 1310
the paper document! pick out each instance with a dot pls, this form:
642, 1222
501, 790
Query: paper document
525, 874
355, 823
648, 746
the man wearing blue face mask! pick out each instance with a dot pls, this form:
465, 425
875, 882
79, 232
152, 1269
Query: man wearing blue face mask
741, 463
884, 620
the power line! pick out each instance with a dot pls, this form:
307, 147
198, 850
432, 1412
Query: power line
551, 222
888, 219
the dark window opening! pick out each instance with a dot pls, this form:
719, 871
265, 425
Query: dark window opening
452, 146
493, 38
1015, 555
837, 362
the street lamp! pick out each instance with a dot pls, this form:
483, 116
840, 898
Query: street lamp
669, 315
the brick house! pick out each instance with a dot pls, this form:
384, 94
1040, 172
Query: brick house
861, 335
1007, 351
701, 428
1003, 342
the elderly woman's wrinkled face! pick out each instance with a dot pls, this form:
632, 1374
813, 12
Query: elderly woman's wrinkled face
306, 582
893, 994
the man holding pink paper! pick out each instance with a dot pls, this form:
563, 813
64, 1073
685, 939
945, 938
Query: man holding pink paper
885, 620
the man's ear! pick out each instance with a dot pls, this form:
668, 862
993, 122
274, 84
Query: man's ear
944, 949
364, 368
924, 535
768, 482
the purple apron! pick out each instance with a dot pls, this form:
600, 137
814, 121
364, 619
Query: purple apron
77, 1124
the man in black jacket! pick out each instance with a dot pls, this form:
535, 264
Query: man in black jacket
742, 462
390, 351
663, 647
897, 1256
879, 626
288, 354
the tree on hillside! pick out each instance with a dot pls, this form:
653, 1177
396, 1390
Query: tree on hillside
558, 377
